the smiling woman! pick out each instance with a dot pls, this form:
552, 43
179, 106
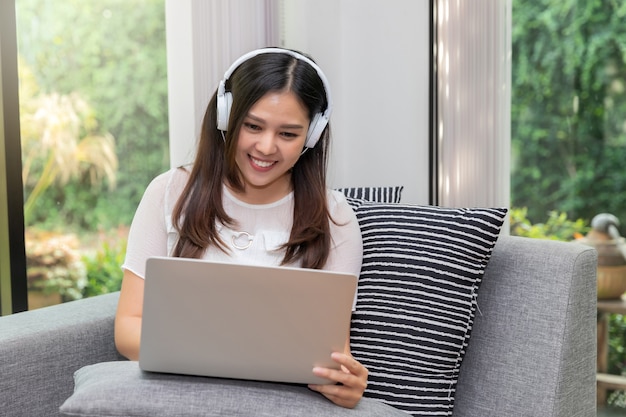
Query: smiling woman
253, 196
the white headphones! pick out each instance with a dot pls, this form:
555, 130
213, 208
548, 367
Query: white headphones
225, 99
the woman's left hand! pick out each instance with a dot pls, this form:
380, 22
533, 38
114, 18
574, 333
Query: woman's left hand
351, 381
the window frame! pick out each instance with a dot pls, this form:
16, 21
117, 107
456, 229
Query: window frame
13, 283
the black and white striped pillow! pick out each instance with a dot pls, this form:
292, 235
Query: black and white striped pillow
377, 194
422, 267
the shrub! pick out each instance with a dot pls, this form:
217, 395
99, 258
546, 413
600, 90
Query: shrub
104, 272
557, 227
53, 264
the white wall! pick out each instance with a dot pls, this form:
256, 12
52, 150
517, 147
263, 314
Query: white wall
376, 56
374, 52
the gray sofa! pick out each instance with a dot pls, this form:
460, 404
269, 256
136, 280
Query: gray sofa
532, 350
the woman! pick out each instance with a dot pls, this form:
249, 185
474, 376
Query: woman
256, 194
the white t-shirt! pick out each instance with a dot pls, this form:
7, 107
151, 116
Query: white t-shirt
260, 229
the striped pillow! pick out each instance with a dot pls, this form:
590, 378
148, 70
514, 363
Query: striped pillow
422, 267
377, 194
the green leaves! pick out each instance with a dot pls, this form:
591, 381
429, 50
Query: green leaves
112, 53
104, 274
567, 123
557, 226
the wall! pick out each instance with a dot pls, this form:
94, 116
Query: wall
376, 55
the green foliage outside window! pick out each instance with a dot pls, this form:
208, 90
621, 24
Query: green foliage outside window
568, 124
112, 54
93, 104
617, 355
104, 274
60, 144
54, 265
567, 110
556, 227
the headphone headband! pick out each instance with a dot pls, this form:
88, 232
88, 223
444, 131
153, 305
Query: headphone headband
224, 99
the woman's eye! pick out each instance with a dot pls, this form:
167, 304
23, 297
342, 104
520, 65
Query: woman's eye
289, 135
252, 126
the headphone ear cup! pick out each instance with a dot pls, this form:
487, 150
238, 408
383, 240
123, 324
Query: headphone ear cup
316, 127
224, 104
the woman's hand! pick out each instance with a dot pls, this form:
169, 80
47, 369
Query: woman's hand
351, 381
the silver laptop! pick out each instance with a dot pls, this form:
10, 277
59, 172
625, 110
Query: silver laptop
241, 321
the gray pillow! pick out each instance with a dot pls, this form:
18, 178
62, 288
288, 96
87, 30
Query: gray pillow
122, 389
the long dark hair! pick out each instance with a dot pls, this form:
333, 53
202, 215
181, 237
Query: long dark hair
200, 207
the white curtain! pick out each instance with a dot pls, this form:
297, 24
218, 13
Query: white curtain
473, 55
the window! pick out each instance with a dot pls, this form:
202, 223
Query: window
94, 132
568, 107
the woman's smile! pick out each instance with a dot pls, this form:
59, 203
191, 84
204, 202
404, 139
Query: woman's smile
261, 164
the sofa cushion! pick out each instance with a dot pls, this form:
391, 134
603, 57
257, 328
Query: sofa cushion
375, 194
422, 267
122, 389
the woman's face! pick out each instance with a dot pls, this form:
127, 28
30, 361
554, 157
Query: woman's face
270, 142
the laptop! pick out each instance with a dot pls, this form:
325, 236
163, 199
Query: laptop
241, 321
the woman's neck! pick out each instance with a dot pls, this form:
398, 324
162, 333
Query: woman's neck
261, 195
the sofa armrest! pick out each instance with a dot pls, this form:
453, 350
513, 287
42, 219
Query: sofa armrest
41, 349
533, 346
